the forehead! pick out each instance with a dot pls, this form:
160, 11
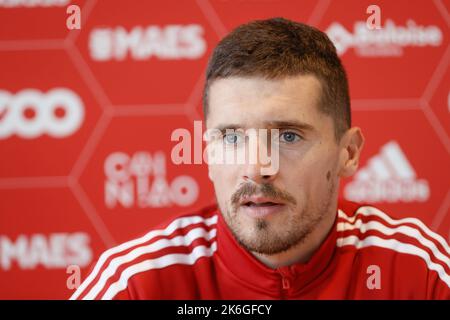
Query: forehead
253, 101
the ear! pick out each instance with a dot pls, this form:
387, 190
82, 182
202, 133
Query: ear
350, 150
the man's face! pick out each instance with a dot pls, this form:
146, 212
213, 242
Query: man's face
269, 214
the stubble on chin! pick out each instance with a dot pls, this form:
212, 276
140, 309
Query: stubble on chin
273, 236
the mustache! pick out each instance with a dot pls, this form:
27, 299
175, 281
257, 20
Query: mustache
265, 190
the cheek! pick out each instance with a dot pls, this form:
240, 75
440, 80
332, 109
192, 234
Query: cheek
223, 179
212, 173
309, 177
221, 173
215, 172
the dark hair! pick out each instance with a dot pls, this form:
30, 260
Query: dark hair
277, 48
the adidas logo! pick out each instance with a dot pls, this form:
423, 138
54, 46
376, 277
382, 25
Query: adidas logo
387, 177
387, 41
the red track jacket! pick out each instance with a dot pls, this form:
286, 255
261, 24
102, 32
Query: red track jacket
366, 255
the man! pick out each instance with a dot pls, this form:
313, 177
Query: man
281, 234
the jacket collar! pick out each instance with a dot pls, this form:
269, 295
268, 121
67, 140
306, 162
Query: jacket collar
255, 274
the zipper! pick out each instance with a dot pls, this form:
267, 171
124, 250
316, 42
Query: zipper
287, 276
286, 284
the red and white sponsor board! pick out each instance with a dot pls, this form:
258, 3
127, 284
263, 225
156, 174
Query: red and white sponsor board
131, 177
42, 231
86, 118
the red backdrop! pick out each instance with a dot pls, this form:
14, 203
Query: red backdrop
86, 117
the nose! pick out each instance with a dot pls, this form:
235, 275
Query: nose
254, 175
258, 171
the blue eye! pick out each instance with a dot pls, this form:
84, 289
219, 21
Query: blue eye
231, 138
289, 137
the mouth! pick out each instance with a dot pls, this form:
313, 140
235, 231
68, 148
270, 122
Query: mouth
258, 207
261, 204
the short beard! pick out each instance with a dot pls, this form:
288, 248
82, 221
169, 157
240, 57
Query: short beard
262, 238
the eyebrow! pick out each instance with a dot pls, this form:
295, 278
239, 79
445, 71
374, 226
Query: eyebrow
275, 124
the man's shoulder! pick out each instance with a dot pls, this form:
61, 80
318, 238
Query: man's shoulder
406, 244
180, 240
364, 219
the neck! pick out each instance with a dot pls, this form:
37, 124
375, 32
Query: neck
302, 252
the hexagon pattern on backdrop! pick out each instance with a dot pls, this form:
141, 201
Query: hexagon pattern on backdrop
86, 118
